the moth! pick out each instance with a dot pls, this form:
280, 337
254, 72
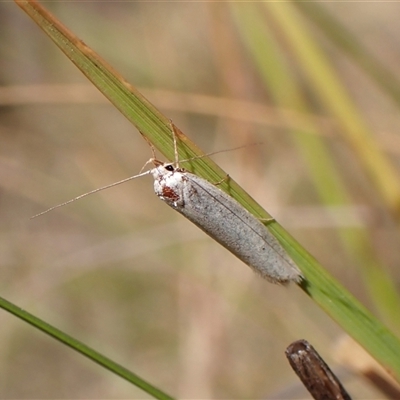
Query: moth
220, 216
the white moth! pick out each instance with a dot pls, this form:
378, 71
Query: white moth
226, 221
220, 216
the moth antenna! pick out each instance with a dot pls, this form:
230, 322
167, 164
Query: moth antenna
153, 150
220, 151
151, 160
93, 191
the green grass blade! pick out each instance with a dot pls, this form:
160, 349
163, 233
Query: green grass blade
287, 94
84, 350
132, 104
329, 87
330, 295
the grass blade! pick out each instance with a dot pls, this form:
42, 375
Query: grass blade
84, 350
286, 92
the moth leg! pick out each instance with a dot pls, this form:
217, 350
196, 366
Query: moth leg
174, 135
153, 150
227, 177
267, 221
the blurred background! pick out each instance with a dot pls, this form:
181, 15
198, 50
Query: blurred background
120, 270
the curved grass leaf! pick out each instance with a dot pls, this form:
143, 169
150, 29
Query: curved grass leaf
285, 90
84, 350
